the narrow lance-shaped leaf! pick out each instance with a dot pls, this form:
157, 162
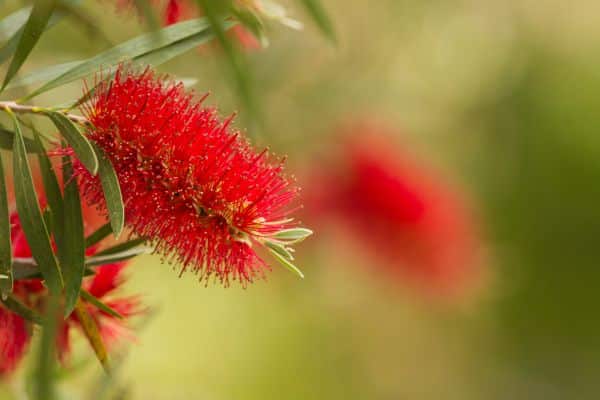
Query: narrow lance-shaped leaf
116, 257
93, 300
21, 309
292, 235
126, 51
26, 268
30, 215
281, 249
122, 247
7, 140
153, 57
15, 34
13, 22
319, 15
73, 255
112, 192
34, 27
6, 273
52, 191
286, 263
42, 75
92, 332
98, 235
80, 144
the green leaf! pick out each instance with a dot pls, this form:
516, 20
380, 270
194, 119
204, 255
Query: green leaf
42, 75
286, 263
30, 215
93, 300
51, 189
48, 219
129, 50
98, 235
7, 139
6, 273
116, 257
80, 144
164, 54
122, 247
92, 332
112, 192
154, 58
13, 22
21, 309
319, 15
11, 45
73, 255
280, 249
26, 268
34, 27
293, 235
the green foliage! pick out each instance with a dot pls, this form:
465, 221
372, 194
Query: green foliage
131, 50
72, 254
32, 31
79, 143
7, 139
90, 298
11, 45
30, 215
21, 309
6, 273
112, 192
98, 235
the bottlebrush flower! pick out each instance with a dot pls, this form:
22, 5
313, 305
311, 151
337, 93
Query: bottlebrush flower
190, 183
415, 224
15, 332
107, 279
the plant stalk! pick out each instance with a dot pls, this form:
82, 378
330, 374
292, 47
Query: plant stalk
26, 109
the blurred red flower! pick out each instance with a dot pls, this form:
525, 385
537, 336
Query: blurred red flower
107, 279
15, 332
191, 185
417, 226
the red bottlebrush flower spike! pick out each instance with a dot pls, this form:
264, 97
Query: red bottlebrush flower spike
108, 278
420, 228
190, 183
15, 332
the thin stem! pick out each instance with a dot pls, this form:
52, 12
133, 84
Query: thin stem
26, 109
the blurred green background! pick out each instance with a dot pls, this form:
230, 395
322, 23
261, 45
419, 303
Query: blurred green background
503, 96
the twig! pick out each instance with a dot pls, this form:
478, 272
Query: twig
26, 109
